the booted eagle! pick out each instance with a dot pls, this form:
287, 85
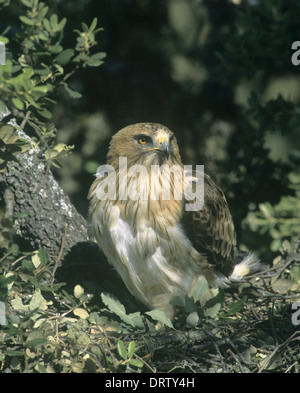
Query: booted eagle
162, 243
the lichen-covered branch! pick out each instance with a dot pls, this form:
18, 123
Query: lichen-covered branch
45, 217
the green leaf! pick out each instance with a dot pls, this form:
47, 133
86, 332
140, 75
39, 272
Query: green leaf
3, 107
137, 320
19, 104
201, 291
8, 134
93, 24
35, 260
200, 288
95, 60
212, 311
78, 291
274, 362
81, 313
53, 21
31, 101
64, 57
160, 316
43, 10
14, 353
28, 266
178, 301
235, 307
43, 36
45, 113
72, 93
41, 90
5, 40
85, 27
27, 3
275, 245
35, 339
61, 24
193, 319
26, 20
282, 285
37, 301
131, 348
190, 305
122, 350
46, 24
266, 209
69, 298
295, 277
55, 49
117, 308
136, 363
17, 304
43, 255
217, 299
34, 281
113, 304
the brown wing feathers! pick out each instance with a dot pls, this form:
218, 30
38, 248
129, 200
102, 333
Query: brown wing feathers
211, 229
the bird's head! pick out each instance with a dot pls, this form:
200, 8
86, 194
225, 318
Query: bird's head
144, 144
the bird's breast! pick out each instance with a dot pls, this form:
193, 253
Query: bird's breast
150, 257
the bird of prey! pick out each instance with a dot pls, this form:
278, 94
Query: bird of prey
160, 247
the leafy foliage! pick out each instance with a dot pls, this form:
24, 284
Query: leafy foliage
203, 72
10, 144
38, 67
281, 221
127, 354
117, 308
267, 110
47, 328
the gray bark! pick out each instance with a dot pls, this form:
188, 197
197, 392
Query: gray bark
45, 216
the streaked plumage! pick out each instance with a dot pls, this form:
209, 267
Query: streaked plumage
159, 249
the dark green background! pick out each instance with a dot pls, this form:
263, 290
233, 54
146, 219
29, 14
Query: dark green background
218, 73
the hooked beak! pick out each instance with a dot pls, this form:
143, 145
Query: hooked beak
163, 147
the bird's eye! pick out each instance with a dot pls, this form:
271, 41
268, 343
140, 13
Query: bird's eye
142, 140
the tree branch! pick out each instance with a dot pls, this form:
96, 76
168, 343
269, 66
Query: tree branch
41, 208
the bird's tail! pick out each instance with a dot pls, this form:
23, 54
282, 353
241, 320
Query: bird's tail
246, 263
